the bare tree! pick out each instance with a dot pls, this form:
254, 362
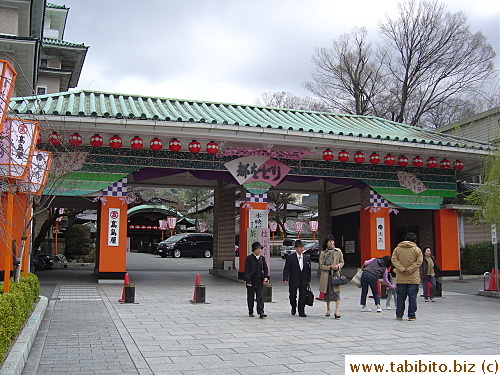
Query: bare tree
347, 76
432, 58
281, 202
428, 66
284, 99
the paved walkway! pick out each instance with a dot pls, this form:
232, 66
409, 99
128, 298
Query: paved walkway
86, 331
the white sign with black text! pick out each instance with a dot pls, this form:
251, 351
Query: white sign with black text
113, 227
380, 233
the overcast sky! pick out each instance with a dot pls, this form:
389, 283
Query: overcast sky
224, 50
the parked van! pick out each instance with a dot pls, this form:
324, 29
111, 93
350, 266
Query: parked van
187, 244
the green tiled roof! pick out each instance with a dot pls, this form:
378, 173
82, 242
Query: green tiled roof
86, 103
55, 6
59, 42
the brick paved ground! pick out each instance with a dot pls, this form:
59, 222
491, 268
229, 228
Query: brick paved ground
87, 331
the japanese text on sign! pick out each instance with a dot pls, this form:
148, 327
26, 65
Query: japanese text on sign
380, 233
258, 218
113, 227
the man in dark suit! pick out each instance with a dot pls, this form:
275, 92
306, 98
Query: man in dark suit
256, 274
297, 275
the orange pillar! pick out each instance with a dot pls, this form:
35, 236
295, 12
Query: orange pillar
19, 230
244, 247
447, 250
26, 235
7, 206
374, 242
112, 259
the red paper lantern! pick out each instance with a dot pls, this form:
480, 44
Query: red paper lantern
55, 139
96, 140
175, 145
458, 165
212, 147
149, 227
155, 144
431, 163
115, 142
359, 157
417, 161
136, 143
445, 164
75, 139
343, 156
143, 227
402, 161
194, 146
328, 155
389, 159
374, 158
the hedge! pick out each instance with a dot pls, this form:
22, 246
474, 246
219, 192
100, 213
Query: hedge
15, 308
478, 258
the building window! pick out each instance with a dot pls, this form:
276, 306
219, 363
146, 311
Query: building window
43, 63
41, 90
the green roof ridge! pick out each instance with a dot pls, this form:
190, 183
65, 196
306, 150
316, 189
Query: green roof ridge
201, 111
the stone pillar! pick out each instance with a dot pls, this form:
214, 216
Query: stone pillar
447, 250
224, 227
375, 233
324, 218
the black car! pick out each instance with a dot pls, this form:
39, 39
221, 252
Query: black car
289, 248
314, 252
187, 244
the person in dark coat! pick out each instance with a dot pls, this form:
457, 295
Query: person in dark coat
256, 274
429, 271
297, 275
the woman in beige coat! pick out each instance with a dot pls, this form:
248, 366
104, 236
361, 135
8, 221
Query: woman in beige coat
331, 260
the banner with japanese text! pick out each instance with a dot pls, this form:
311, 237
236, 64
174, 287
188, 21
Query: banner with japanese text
113, 227
17, 147
7, 79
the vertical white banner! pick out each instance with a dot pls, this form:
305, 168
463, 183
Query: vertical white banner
265, 241
380, 233
257, 218
113, 227
252, 236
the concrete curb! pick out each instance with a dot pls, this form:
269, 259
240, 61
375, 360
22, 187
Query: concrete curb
15, 361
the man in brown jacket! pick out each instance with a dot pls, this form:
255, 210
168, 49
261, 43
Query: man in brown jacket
406, 259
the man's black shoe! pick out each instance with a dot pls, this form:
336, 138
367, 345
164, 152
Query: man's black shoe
303, 315
294, 311
262, 316
251, 315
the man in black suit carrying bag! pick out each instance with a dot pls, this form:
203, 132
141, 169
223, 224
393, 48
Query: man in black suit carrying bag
297, 275
256, 274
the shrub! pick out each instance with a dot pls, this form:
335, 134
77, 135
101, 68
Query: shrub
15, 307
478, 258
77, 241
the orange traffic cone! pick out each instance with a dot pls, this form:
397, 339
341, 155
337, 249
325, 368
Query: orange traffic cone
126, 281
197, 281
491, 286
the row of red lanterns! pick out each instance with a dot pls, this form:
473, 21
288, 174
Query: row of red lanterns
136, 143
389, 159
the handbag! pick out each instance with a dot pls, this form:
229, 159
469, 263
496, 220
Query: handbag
309, 296
340, 280
356, 279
